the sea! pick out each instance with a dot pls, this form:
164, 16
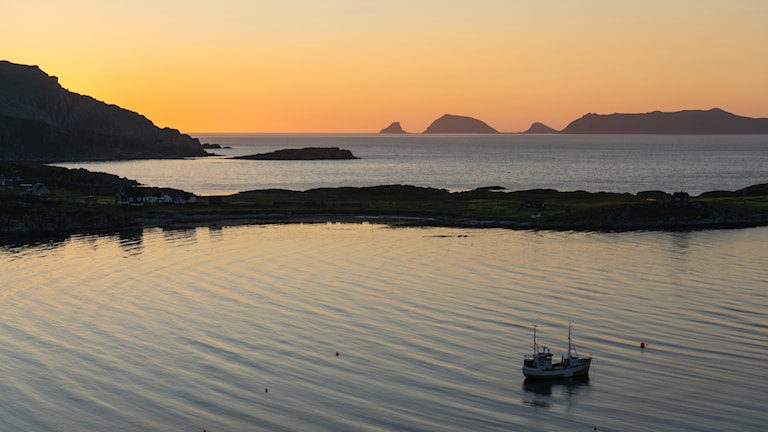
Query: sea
594, 163
368, 327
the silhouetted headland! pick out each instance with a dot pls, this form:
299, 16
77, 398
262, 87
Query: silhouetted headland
41, 121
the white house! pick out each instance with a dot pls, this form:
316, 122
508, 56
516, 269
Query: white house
158, 197
135, 196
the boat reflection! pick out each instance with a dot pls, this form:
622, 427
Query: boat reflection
541, 393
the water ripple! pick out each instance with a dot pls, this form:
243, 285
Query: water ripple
364, 327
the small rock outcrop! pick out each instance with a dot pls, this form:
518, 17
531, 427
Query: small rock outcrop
306, 153
453, 124
394, 128
540, 128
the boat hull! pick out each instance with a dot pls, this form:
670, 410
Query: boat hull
581, 369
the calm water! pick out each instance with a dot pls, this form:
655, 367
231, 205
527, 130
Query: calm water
237, 329
614, 163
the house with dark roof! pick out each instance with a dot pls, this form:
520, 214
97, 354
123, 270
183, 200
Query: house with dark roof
184, 198
129, 196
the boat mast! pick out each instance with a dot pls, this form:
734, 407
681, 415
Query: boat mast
569, 339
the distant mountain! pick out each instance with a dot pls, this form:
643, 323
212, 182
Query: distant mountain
394, 128
459, 124
714, 121
40, 120
540, 128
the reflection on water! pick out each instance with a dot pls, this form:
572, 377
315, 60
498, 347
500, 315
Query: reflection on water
570, 387
431, 325
131, 241
544, 393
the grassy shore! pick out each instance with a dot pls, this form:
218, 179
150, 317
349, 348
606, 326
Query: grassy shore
65, 209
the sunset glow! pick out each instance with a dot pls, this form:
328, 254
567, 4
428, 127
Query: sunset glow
356, 66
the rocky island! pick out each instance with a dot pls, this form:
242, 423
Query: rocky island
306, 153
393, 128
691, 122
688, 122
540, 128
453, 124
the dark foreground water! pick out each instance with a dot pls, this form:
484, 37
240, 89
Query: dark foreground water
237, 329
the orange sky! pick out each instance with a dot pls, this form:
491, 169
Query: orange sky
356, 66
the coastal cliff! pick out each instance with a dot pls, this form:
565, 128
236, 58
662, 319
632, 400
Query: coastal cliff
41, 121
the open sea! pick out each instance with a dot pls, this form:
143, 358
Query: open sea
363, 327
610, 163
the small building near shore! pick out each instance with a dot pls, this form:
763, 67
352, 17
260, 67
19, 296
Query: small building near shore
137, 196
184, 198
158, 197
129, 196
680, 197
39, 189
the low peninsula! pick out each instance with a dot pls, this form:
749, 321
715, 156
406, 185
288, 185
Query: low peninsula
39, 201
306, 153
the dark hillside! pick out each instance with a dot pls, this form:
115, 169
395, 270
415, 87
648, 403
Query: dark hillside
40, 120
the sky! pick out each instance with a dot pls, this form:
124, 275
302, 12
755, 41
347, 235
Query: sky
355, 66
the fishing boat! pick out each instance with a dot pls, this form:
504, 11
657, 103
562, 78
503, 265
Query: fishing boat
540, 365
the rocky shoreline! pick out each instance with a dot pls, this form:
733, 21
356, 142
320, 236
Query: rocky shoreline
59, 225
